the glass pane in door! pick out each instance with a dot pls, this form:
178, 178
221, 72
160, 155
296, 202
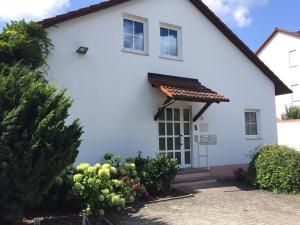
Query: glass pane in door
174, 135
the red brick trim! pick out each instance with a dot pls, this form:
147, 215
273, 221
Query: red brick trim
289, 121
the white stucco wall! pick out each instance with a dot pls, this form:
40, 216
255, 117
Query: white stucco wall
276, 56
116, 103
288, 133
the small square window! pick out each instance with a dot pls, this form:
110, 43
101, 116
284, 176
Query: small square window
296, 93
251, 123
293, 58
134, 35
170, 41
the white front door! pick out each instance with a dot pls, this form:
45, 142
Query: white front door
174, 127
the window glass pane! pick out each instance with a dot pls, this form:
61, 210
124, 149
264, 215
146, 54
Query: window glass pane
187, 143
173, 35
163, 32
162, 129
177, 128
128, 26
177, 114
162, 115
162, 144
177, 143
248, 132
253, 129
138, 29
186, 115
169, 114
170, 128
170, 144
170, 155
187, 157
164, 47
139, 43
252, 117
128, 41
186, 129
178, 157
247, 117
173, 49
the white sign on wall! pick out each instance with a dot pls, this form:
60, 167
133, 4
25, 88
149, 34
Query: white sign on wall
208, 140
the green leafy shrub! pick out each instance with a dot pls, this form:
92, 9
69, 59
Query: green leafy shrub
36, 143
104, 186
24, 42
108, 156
140, 163
291, 112
276, 168
159, 173
61, 195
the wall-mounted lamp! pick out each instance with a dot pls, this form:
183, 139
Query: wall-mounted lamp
82, 50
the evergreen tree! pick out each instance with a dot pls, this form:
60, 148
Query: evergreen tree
36, 142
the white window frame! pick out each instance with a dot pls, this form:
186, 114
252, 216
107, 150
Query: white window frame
142, 20
258, 122
295, 88
179, 41
292, 58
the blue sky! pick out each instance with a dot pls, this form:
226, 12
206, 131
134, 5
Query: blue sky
251, 20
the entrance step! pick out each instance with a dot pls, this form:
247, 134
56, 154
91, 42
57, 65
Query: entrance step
188, 177
199, 183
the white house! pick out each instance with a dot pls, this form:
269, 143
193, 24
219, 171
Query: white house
140, 73
281, 52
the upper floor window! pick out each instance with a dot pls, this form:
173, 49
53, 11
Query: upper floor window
251, 122
293, 58
170, 41
134, 35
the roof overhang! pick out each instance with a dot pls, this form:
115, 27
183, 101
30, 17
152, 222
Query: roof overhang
184, 89
280, 87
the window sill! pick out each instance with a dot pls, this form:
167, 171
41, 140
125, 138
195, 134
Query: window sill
253, 138
171, 58
126, 50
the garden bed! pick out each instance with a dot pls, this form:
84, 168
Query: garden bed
66, 220
64, 216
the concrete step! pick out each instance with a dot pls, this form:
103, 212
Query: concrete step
192, 170
193, 175
192, 179
202, 183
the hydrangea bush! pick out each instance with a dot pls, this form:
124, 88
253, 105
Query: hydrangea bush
107, 185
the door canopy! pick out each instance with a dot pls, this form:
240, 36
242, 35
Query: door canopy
184, 89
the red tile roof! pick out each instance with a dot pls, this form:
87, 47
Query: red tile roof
185, 89
280, 87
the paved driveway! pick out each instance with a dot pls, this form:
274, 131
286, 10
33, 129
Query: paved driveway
218, 206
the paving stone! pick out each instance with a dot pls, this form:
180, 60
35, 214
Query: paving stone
218, 206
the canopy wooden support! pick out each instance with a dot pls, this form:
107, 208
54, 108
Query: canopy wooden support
169, 101
200, 113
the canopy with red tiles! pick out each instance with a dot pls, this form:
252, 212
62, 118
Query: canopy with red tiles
184, 89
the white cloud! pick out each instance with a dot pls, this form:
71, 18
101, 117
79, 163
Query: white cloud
241, 16
235, 11
30, 9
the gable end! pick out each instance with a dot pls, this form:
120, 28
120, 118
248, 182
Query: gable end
280, 87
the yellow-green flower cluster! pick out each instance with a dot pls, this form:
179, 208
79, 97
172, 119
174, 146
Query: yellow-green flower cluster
111, 183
